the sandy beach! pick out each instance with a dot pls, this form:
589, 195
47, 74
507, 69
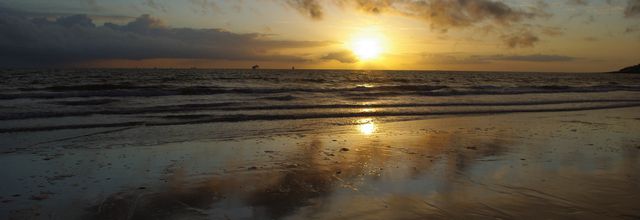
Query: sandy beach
569, 165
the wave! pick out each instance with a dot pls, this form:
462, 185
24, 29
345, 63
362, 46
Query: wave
494, 90
87, 102
91, 87
236, 106
402, 105
129, 111
119, 90
204, 118
207, 118
75, 126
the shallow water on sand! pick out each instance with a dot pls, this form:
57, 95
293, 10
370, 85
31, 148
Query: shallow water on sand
549, 165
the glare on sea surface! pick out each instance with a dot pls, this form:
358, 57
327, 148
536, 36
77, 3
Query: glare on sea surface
367, 126
365, 85
367, 110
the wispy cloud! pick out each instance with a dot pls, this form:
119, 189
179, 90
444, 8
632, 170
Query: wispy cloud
520, 39
310, 8
577, 2
466, 59
441, 14
155, 5
341, 56
205, 6
527, 58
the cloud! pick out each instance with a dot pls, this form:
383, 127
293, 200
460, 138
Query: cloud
341, 56
204, 6
373, 6
441, 14
552, 31
466, 59
155, 5
527, 58
73, 20
632, 9
100, 17
72, 39
520, 39
577, 2
310, 8
451, 58
462, 13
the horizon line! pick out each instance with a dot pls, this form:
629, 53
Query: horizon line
296, 69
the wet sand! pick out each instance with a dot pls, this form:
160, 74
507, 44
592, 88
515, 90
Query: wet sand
562, 165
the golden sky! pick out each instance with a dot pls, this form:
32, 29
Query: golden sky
510, 35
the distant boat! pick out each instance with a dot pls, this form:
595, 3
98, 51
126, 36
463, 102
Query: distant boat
293, 68
255, 67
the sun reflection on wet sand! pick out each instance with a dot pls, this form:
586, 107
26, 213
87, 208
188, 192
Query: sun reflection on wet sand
367, 126
449, 168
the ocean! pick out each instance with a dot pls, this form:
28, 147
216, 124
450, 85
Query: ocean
43, 100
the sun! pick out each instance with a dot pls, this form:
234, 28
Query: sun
366, 48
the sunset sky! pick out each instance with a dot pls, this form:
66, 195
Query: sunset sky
510, 35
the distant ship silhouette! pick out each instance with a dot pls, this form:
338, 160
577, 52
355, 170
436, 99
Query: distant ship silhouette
255, 67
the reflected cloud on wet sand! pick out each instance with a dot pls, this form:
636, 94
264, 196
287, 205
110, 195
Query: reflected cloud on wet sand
449, 172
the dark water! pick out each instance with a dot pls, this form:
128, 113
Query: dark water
37, 100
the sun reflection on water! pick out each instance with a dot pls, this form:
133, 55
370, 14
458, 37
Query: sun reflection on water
367, 110
365, 85
367, 126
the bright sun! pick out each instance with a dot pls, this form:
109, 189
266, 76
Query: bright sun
366, 48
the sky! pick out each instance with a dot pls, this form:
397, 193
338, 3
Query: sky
474, 35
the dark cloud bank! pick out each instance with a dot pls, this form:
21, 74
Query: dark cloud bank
28, 41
